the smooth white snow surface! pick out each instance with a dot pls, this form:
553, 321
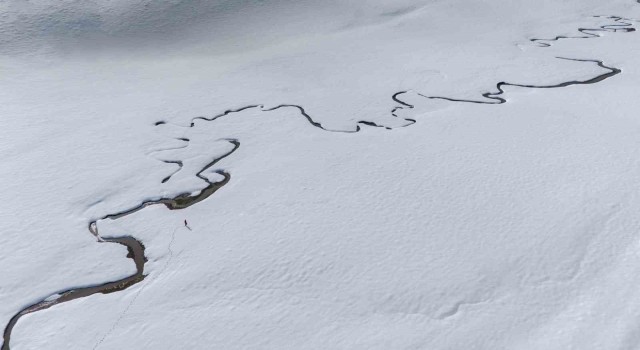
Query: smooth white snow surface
505, 226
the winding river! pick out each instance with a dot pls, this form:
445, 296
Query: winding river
136, 249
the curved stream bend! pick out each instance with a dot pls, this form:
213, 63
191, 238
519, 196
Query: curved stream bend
136, 248
496, 99
622, 25
136, 252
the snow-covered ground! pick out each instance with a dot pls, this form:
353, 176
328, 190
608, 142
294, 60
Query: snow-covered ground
486, 226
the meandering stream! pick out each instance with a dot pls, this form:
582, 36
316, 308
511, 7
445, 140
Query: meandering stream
136, 249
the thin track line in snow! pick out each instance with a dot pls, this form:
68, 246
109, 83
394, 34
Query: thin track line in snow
135, 297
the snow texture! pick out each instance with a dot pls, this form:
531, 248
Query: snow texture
415, 174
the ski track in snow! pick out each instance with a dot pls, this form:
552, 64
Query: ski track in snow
184, 200
135, 297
